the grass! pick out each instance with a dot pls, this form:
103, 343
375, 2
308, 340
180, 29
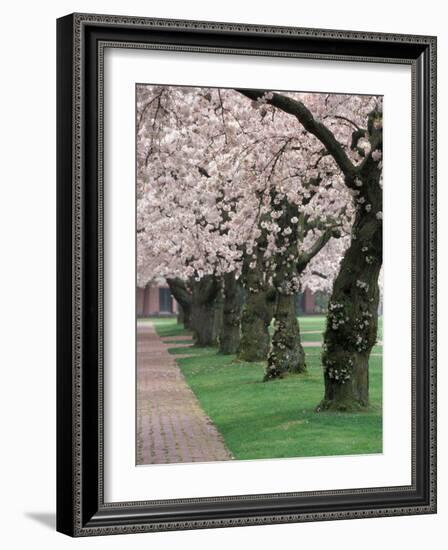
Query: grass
276, 419
168, 327
314, 323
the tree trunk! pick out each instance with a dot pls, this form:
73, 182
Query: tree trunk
183, 297
286, 354
180, 315
255, 320
229, 340
206, 311
352, 319
218, 314
186, 317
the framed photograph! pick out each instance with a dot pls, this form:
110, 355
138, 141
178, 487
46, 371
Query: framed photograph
246, 274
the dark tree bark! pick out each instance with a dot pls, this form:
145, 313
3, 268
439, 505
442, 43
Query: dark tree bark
258, 308
352, 320
255, 320
218, 314
229, 339
183, 295
206, 312
180, 315
286, 354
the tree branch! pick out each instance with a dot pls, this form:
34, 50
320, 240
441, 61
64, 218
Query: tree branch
306, 257
346, 120
307, 120
319, 274
180, 292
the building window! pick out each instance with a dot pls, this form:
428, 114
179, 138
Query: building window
165, 300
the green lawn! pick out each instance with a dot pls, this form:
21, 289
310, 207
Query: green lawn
168, 327
314, 323
277, 419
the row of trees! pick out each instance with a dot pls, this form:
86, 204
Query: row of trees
244, 198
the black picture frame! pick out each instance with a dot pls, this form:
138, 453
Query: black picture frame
81, 510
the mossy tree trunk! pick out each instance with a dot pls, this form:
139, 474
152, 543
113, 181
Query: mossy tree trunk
286, 353
256, 316
206, 311
229, 339
255, 320
352, 320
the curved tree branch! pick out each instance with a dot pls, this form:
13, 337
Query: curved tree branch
180, 292
317, 246
339, 117
319, 274
313, 126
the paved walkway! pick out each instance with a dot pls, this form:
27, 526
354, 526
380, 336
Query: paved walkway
171, 426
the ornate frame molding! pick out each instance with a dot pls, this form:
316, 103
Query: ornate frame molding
81, 42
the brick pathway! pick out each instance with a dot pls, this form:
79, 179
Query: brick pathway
171, 426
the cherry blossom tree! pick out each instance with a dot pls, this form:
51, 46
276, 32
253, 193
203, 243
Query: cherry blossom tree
178, 214
353, 310
234, 192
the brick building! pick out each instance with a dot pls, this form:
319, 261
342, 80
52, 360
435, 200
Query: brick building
156, 300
